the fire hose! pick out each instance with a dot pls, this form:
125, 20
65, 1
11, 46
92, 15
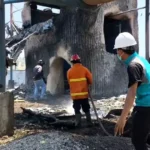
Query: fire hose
98, 119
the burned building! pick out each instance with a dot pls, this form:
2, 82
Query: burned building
89, 32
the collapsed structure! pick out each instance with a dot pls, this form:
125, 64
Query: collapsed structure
88, 32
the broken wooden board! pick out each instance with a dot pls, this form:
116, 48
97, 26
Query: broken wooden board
55, 119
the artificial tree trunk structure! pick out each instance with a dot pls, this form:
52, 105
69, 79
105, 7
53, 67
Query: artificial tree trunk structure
96, 2
91, 34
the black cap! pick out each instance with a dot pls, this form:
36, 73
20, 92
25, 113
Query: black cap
41, 62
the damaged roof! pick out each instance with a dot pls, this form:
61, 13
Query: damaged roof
62, 3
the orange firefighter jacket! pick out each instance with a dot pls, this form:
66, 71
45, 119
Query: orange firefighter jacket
79, 78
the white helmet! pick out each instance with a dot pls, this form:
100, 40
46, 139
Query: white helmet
124, 40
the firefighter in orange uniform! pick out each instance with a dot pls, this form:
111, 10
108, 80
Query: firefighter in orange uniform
80, 78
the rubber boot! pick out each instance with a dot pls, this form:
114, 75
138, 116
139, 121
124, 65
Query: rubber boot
78, 120
88, 119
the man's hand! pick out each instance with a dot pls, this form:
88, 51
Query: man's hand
119, 128
128, 105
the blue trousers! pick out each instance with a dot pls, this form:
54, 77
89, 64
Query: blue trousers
37, 85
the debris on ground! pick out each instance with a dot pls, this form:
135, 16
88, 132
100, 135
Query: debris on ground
56, 140
20, 92
32, 130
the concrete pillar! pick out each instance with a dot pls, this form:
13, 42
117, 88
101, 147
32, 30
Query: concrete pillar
6, 114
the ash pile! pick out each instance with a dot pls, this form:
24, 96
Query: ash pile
22, 92
65, 141
19, 92
61, 114
65, 136
64, 107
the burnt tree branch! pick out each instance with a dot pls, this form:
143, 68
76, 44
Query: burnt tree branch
53, 118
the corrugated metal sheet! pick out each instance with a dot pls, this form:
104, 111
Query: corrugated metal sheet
12, 1
61, 3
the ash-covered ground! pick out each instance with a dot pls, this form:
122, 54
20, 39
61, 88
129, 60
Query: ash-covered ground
34, 133
55, 140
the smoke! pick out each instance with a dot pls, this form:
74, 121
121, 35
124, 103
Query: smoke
64, 53
55, 81
69, 108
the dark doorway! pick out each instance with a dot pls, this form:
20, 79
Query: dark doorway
66, 68
112, 27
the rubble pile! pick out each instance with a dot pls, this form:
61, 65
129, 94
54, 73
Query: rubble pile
20, 92
59, 112
65, 105
65, 141
65, 136
23, 93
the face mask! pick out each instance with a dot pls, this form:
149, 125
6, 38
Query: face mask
119, 57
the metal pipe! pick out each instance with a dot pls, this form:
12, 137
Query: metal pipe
136, 9
96, 114
15, 28
11, 28
2, 47
17, 10
13, 1
147, 29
